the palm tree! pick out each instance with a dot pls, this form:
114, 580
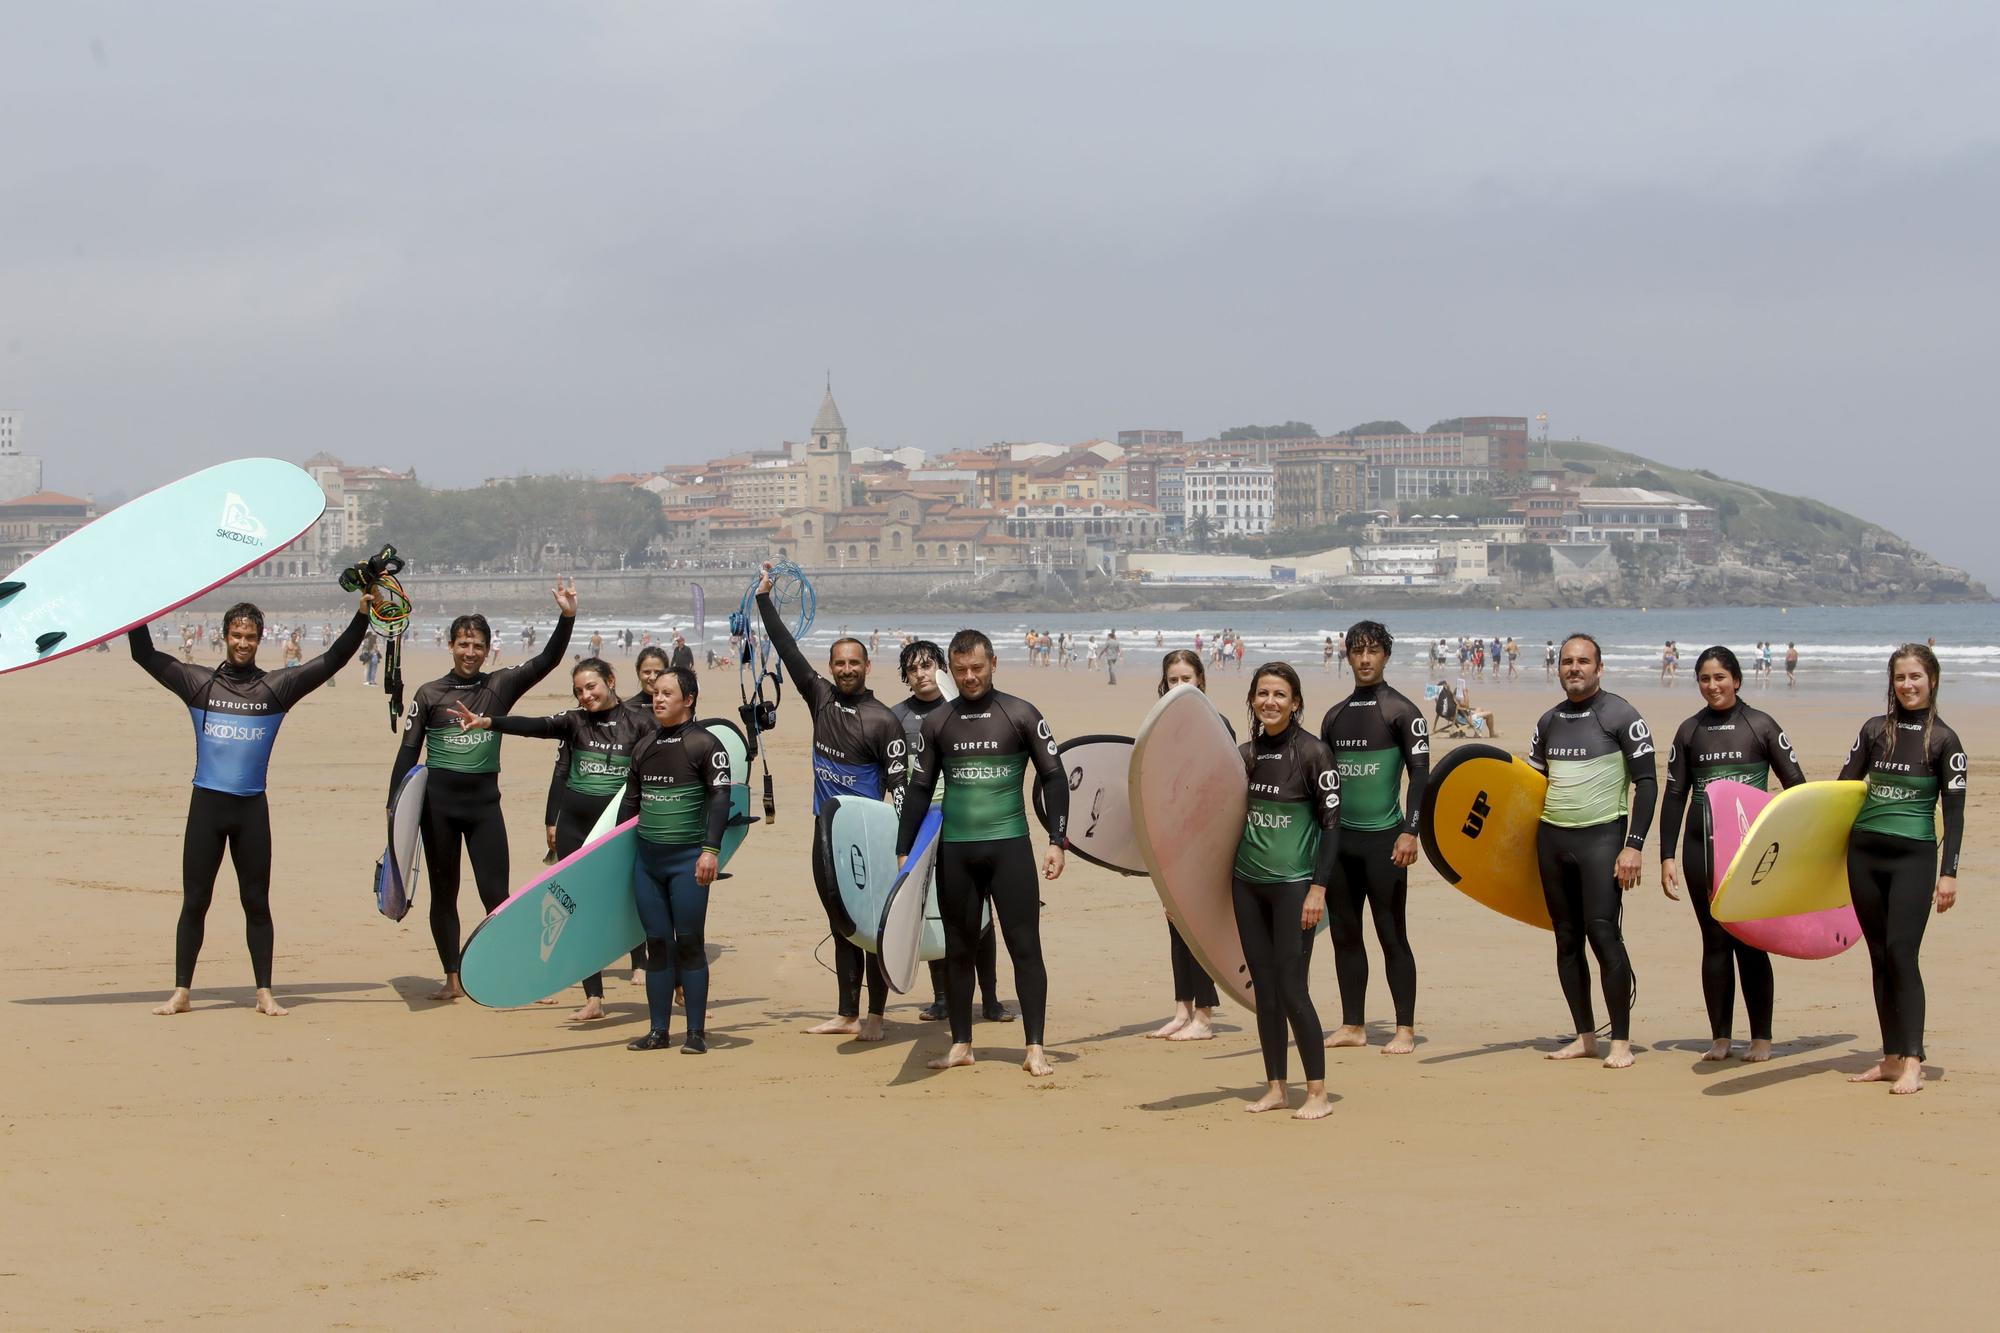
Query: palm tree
1201, 527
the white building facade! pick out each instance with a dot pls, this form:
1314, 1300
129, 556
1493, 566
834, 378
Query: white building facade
20, 474
1235, 496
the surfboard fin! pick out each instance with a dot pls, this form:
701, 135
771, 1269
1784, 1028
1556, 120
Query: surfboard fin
47, 641
10, 587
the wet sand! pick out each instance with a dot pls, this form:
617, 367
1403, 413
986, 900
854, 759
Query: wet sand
377, 1160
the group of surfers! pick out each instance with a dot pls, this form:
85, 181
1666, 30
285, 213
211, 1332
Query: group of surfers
1330, 832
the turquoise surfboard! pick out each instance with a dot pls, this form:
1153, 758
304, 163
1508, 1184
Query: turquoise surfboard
396, 872
854, 850
578, 917
147, 557
899, 931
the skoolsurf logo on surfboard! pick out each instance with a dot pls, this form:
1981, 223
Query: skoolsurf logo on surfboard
240, 525
557, 908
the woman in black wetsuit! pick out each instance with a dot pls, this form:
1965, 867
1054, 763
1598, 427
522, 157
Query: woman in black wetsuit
1287, 853
1913, 764
462, 796
1726, 740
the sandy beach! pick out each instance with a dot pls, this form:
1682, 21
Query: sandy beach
379, 1161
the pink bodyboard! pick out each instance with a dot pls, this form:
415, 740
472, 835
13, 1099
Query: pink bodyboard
1732, 808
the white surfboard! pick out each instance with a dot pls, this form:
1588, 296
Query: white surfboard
1099, 771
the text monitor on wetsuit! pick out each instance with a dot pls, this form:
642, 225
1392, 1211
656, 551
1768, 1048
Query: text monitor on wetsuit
1592, 750
980, 749
1376, 734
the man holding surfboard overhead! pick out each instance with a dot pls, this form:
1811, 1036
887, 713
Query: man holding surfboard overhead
462, 798
1593, 747
237, 709
979, 746
857, 746
1376, 734
918, 666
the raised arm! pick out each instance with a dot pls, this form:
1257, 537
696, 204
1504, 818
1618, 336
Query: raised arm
513, 682
800, 670
176, 676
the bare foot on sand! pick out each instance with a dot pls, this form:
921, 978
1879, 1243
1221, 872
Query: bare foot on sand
1876, 1073
1583, 1048
959, 1054
1717, 1049
1197, 1029
593, 1009
1182, 1016
1276, 1098
177, 1003
450, 990
1317, 1106
1912, 1079
1037, 1063
1759, 1052
268, 1006
1402, 1043
1350, 1034
871, 1028
1620, 1057
835, 1027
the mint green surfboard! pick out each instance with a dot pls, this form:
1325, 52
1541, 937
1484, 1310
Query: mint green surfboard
148, 556
577, 917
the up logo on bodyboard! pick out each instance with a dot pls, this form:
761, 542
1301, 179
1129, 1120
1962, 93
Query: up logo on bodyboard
1475, 819
1765, 865
857, 866
556, 910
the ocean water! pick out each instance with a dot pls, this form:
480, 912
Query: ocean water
1838, 646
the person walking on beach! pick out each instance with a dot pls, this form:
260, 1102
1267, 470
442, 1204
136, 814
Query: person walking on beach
1194, 990
1593, 747
918, 667
237, 708
462, 795
1727, 739
1285, 859
1914, 764
979, 746
1113, 651
857, 750
1791, 665
1376, 734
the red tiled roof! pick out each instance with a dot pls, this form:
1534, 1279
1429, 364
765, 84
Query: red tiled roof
48, 498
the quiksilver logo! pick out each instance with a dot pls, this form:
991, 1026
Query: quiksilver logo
238, 524
557, 908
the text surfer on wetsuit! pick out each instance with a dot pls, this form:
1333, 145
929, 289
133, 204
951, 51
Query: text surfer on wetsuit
857, 750
980, 745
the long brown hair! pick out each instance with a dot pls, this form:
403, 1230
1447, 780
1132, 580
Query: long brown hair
1283, 671
1928, 661
1185, 657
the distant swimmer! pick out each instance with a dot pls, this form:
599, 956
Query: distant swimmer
1913, 764
1377, 736
1284, 861
980, 746
1726, 740
919, 666
678, 790
857, 750
462, 797
1194, 990
598, 738
237, 708
1593, 746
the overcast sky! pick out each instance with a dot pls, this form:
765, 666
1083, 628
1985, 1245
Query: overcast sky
490, 238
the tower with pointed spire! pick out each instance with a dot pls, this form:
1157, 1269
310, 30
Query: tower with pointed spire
827, 461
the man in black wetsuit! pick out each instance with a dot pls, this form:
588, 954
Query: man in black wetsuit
857, 746
1593, 746
1376, 734
919, 666
980, 745
237, 709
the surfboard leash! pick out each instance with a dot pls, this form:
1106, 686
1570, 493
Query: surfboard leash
390, 617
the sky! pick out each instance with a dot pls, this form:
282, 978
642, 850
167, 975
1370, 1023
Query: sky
489, 238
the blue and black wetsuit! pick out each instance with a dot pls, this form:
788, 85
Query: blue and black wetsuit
857, 750
236, 713
594, 750
462, 795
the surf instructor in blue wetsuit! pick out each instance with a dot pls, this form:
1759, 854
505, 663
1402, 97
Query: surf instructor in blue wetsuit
237, 708
857, 750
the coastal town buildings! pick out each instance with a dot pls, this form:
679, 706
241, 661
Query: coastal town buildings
1230, 496
20, 473
30, 524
